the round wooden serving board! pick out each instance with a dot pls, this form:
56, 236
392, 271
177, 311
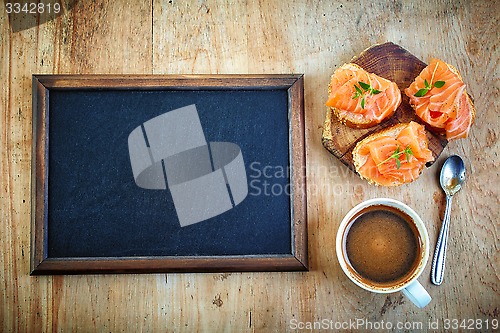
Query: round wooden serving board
394, 63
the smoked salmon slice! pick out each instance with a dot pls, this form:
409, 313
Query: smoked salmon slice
393, 156
439, 98
360, 99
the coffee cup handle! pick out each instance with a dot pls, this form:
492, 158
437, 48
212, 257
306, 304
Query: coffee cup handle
417, 294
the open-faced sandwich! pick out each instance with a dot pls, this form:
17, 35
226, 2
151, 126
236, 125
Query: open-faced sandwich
439, 98
360, 99
393, 156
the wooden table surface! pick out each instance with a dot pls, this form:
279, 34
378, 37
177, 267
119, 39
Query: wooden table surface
309, 37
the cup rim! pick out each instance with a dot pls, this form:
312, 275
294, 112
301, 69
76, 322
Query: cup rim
420, 227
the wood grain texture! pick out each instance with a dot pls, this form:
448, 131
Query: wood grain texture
310, 37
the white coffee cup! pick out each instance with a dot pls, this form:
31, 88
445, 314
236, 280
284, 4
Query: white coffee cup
409, 286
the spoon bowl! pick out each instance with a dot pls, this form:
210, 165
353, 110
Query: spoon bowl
452, 175
451, 178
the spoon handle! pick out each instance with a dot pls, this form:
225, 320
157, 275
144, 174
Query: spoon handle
438, 262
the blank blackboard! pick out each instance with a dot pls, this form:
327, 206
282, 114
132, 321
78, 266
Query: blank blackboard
91, 217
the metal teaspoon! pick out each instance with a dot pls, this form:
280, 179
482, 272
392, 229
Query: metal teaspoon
451, 178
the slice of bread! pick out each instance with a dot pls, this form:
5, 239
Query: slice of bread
359, 160
350, 119
455, 107
353, 120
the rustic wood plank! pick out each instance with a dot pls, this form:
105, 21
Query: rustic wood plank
310, 37
95, 37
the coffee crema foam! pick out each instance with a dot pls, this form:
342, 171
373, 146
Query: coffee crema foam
382, 246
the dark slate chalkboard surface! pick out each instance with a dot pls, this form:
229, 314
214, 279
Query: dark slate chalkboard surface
95, 208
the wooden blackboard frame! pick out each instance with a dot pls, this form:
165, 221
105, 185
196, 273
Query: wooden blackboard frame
41, 263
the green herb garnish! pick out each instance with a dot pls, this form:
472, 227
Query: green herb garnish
397, 153
363, 90
428, 86
423, 91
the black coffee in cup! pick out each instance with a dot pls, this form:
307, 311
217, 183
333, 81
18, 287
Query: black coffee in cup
382, 246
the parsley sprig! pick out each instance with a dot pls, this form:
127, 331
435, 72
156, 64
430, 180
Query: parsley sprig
423, 91
363, 90
428, 86
396, 154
